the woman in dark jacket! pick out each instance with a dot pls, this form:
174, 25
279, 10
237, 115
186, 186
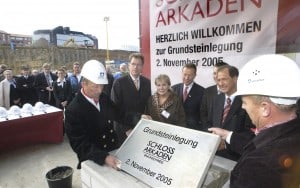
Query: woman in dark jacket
164, 105
62, 90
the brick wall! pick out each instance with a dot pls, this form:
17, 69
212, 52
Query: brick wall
57, 56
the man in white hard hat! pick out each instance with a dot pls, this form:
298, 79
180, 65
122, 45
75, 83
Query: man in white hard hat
269, 86
89, 118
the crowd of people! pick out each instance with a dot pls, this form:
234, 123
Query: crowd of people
254, 111
30, 86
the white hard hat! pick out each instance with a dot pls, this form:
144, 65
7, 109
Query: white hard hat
39, 106
3, 112
27, 108
271, 75
14, 110
94, 71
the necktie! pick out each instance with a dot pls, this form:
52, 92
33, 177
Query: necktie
226, 109
136, 83
96, 101
185, 93
48, 78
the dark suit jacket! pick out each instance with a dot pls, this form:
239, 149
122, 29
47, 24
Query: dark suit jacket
129, 99
191, 105
237, 121
62, 93
108, 86
208, 97
26, 89
263, 162
40, 83
14, 94
90, 132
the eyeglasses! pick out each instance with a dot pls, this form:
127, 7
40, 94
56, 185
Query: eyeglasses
136, 65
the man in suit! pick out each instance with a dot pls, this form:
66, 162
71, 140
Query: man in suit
227, 114
191, 94
75, 79
43, 84
131, 92
26, 87
110, 78
208, 96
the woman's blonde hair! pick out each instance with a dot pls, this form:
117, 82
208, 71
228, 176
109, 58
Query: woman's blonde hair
162, 78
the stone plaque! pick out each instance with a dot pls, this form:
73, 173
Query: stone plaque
164, 155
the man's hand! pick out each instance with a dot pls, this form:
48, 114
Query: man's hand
64, 103
222, 133
113, 162
49, 88
218, 131
128, 132
146, 117
17, 101
222, 145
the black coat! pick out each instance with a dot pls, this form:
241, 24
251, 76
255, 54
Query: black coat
191, 105
208, 97
40, 84
108, 86
26, 88
271, 159
62, 93
91, 132
14, 94
129, 99
237, 121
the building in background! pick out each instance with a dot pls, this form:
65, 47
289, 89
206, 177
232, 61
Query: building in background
14, 39
20, 40
4, 38
63, 36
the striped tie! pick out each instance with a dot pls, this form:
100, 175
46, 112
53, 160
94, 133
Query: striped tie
185, 93
226, 109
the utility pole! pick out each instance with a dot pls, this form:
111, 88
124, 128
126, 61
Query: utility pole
106, 19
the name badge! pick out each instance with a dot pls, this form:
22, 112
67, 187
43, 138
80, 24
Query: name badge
165, 114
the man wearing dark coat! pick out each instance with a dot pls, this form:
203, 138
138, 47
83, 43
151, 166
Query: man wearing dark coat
209, 95
131, 92
89, 118
192, 103
25, 85
269, 94
44, 85
236, 119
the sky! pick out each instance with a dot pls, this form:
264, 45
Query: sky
26, 16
